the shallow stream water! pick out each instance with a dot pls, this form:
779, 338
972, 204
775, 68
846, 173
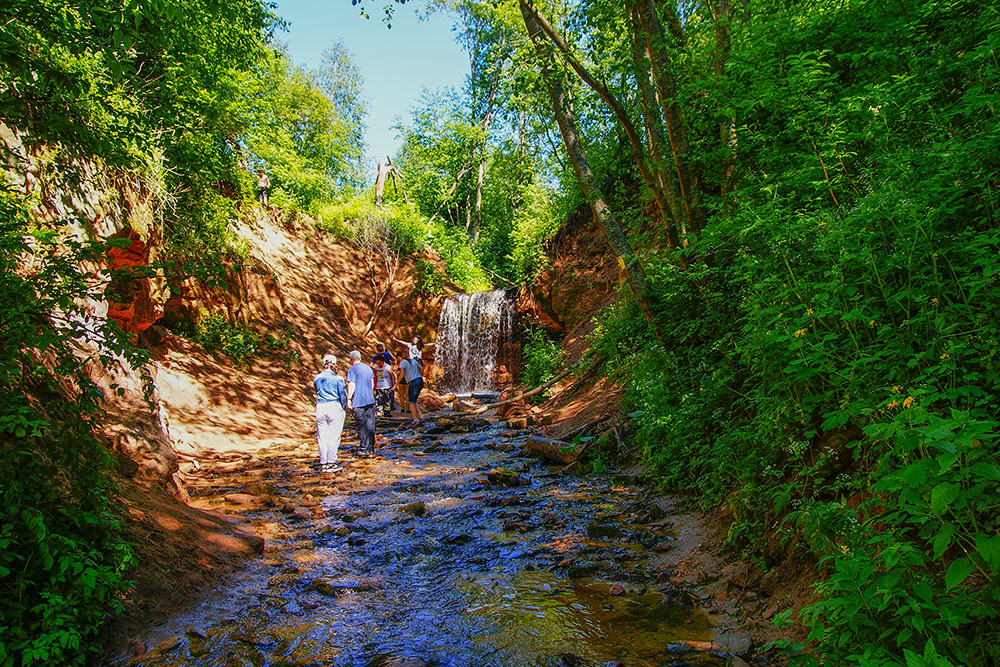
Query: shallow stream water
417, 558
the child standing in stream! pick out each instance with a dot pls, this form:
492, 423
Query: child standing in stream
385, 382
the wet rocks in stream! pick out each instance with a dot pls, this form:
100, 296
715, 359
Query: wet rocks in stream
440, 552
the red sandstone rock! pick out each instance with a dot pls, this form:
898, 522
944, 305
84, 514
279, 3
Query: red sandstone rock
429, 400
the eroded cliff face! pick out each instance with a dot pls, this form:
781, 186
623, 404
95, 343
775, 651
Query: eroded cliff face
583, 277
297, 281
90, 202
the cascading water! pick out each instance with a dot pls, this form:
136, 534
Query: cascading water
470, 332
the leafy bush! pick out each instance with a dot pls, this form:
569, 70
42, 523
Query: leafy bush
462, 264
535, 222
427, 280
62, 555
410, 232
543, 358
833, 373
239, 342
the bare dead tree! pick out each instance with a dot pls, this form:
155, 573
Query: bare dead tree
381, 252
387, 170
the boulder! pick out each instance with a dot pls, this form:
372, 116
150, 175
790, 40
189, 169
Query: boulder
574, 468
516, 409
462, 406
504, 476
520, 423
430, 401
502, 377
506, 395
416, 508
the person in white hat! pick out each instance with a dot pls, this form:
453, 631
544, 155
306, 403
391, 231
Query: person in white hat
331, 401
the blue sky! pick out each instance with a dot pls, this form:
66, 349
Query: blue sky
397, 64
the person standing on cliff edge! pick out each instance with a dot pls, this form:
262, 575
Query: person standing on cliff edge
263, 185
331, 400
361, 400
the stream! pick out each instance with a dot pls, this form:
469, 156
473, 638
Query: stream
450, 548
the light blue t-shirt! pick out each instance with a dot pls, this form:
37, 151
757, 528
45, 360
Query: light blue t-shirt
330, 387
410, 368
363, 377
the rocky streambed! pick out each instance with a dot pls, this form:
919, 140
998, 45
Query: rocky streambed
453, 547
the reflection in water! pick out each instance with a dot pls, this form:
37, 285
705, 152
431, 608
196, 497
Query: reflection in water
473, 579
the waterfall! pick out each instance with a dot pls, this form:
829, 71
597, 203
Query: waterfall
470, 332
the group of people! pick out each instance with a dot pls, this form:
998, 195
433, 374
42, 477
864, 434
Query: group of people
367, 391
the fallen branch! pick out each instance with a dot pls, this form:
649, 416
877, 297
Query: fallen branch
490, 406
582, 430
497, 275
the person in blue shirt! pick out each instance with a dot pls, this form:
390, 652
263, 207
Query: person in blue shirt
361, 400
384, 354
331, 400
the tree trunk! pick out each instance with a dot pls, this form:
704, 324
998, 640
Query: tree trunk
477, 218
635, 142
722, 16
649, 105
383, 172
634, 272
677, 132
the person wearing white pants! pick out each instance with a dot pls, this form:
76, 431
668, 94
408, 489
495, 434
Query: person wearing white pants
331, 399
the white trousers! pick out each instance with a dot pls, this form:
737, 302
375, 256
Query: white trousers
329, 426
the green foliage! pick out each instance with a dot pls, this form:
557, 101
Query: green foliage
408, 232
427, 279
297, 127
154, 81
463, 266
832, 372
239, 342
61, 552
465, 169
543, 358
536, 221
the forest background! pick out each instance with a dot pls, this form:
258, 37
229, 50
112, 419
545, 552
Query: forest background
803, 197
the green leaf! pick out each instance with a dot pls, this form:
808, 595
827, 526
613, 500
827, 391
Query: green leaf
987, 470
957, 573
946, 461
943, 495
989, 549
943, 540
